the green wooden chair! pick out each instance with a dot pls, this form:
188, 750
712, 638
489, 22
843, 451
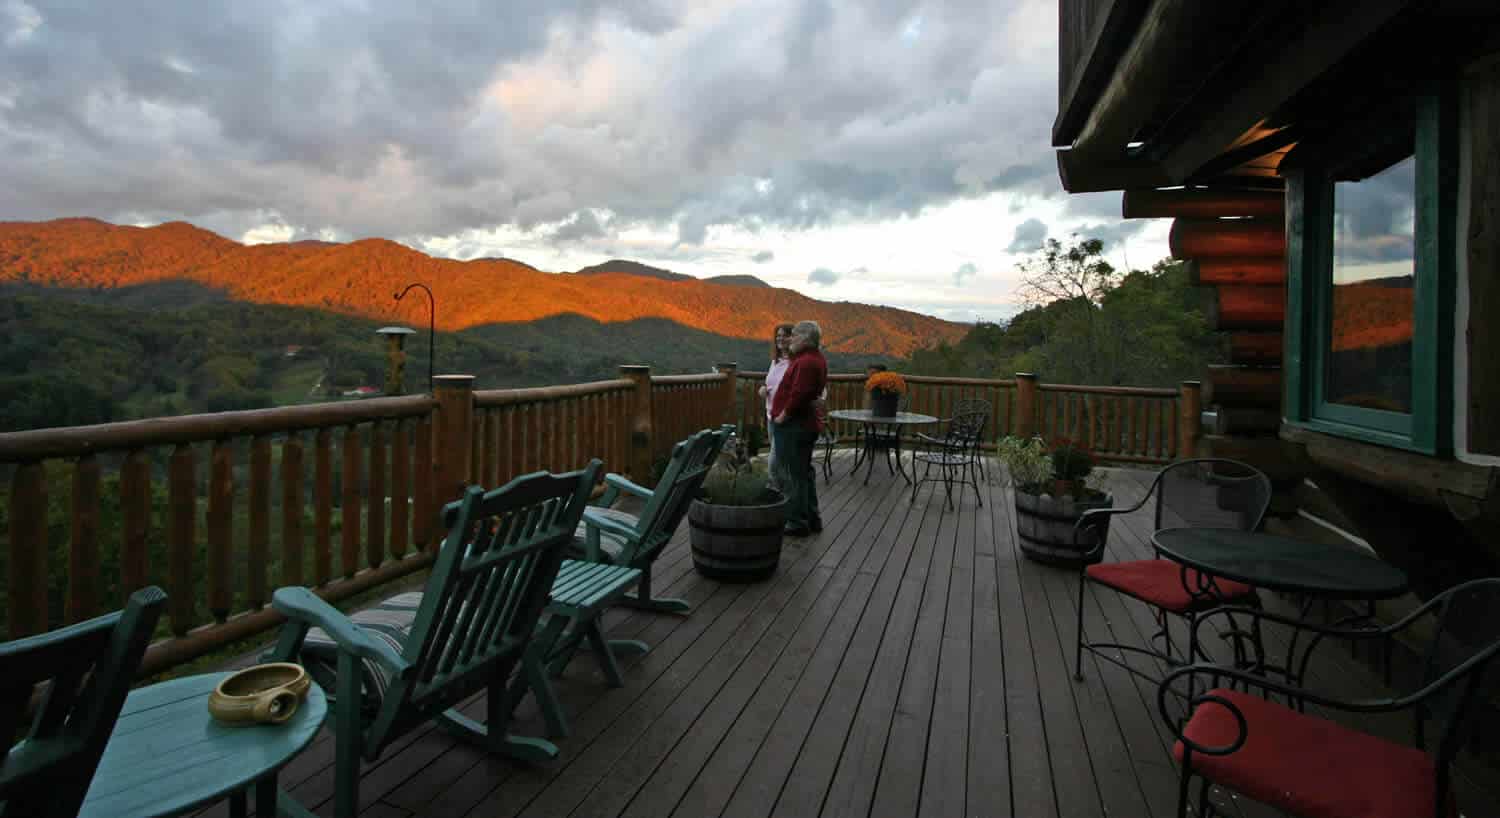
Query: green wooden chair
395, 666
619, 538
88, 669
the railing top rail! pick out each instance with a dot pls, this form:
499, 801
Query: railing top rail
670, 379
75, 441
489, 398
939, 380
1131, 391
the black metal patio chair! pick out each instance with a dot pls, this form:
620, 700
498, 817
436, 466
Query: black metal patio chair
1203, 493
1310, 766
954, 454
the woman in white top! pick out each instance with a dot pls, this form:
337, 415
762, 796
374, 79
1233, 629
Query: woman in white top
780, 356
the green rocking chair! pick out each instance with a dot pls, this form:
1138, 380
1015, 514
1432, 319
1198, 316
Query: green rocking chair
88, 668
619, 538
394, 667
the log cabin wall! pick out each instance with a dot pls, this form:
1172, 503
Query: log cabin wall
1234, 242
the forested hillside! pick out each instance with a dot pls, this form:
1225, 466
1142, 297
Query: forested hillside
358, 279
102, 356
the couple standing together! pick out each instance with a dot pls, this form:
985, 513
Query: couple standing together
795, 384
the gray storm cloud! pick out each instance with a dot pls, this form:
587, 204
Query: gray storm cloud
427, 120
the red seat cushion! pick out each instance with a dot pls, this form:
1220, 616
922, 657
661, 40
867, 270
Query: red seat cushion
1159, 582
1310, 766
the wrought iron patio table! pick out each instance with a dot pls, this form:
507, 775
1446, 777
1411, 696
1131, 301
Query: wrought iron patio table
872, 443
1282, 564
167, 756
1311, 570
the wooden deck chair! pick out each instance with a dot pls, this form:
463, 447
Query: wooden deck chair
395, 667
620, 538
87, 669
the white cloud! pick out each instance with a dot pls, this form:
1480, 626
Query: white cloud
712, 137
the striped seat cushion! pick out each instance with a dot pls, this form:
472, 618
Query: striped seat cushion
611, 544
390, 622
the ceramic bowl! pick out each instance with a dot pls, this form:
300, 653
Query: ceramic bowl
264, 694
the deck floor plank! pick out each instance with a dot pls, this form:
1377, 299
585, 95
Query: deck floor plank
908, 661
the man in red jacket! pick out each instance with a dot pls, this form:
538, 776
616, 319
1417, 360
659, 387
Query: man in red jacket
796, 425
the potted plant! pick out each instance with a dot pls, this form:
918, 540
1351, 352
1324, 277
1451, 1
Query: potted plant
735, 524
886, 389
1053, 487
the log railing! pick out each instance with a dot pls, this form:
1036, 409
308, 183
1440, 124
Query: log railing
517, 431
1118, 423
683, 404
220, 509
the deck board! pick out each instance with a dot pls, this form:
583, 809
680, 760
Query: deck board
906, 662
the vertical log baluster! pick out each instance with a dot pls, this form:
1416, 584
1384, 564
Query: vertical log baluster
83, 551
323, 508
400, 489
28, 551
490, 475
534, 449
292, 557
181, 538
220, 524
350, 454
422, 485
135, 502
514, 449
260, 521
375, 510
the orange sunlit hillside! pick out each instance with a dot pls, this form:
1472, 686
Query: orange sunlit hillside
360, 277
1369, 314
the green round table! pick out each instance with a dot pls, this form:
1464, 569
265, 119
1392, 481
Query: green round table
167, 756
1282, 563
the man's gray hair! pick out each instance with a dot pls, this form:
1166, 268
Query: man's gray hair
811, 331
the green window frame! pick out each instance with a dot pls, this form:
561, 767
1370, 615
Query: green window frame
1428, 428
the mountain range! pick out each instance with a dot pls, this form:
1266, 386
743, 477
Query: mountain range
360, 278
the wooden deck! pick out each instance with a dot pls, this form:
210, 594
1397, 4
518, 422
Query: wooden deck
905, 662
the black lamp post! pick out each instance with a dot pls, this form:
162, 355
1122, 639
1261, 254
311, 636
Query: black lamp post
431, 325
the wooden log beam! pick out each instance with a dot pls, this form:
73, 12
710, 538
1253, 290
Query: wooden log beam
1227, 238
1246, 420
1243, 386
1306, 40
1172, 36
1246, 308
1201, 203
1255, 348
1212, 271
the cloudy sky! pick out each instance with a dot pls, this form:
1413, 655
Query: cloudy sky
887, 152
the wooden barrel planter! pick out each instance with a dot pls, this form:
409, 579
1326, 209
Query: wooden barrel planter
736, 543
1044, 524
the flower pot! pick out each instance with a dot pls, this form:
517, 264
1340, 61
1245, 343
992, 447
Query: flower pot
736, 543
883, 404
1044, 526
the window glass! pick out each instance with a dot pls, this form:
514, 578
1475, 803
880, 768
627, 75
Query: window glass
1371, 298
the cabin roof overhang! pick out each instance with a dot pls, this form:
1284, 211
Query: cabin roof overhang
1185, 93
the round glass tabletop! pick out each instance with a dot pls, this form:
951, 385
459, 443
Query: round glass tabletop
1282, 563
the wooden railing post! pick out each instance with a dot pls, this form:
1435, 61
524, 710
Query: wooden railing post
639, 420
1023, 422
1190, 419
451, 444
730, 371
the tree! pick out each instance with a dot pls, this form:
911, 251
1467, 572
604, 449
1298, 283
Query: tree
1077, 278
